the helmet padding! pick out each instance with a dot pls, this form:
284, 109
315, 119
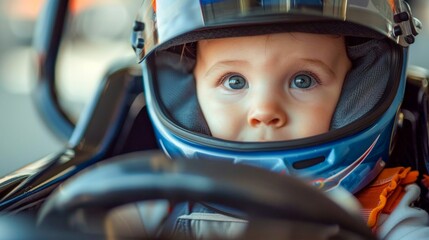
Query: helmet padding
365, 83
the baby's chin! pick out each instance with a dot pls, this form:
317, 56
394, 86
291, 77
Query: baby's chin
257, 138
265, 138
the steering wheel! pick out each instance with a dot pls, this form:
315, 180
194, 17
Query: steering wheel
258, 193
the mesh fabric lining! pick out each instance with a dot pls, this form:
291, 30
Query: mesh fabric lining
365, 83
176, 87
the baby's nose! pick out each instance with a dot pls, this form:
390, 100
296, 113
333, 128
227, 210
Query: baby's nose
268, 114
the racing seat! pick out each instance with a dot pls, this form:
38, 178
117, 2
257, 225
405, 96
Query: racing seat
411, 147
114, 123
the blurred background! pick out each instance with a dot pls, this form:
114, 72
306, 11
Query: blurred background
97, 35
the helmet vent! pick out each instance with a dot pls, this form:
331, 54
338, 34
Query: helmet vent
308, 162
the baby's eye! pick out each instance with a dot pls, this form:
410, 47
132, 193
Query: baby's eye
235, 82
303, 81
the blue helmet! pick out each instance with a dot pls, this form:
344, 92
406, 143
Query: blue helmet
362, 128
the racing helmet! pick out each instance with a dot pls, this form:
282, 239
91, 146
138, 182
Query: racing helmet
357, 146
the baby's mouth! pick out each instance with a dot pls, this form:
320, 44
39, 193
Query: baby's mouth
266, 139
263, 135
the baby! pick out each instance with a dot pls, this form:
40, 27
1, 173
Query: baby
270, 87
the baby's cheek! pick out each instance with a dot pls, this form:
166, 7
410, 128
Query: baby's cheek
224, 123
313, 122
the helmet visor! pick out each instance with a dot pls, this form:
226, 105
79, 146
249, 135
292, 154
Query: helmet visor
166, 22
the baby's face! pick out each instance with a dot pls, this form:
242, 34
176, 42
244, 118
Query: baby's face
270, 87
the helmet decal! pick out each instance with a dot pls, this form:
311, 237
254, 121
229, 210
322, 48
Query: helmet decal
334, 181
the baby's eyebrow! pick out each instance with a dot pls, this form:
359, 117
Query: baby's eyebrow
325, 67
236, 63
224, 64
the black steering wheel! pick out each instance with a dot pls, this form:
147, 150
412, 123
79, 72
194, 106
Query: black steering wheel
264, 197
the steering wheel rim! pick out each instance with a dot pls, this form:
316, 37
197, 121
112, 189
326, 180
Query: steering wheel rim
124, 178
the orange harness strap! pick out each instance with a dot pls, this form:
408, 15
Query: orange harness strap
384, 193
425, 181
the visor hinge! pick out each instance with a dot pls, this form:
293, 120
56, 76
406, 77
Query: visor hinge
137, 40
407, 26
